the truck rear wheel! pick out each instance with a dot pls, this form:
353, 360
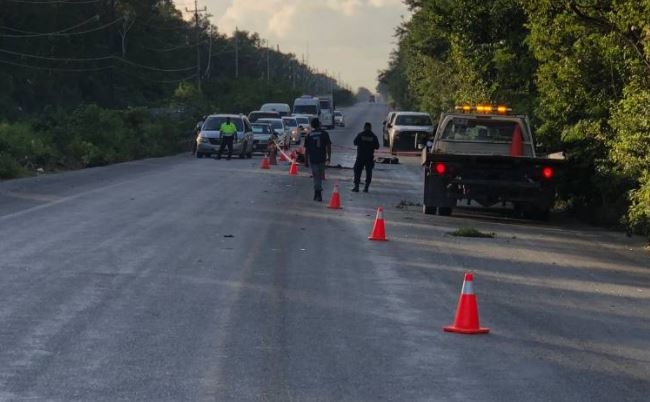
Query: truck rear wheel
531, 212
444, 211
429, 210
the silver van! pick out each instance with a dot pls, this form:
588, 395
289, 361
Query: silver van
208, 141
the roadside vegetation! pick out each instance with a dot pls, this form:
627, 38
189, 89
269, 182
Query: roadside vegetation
97, 82
580, 70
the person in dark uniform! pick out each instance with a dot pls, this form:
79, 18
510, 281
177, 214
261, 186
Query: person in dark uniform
366, 142
318, 151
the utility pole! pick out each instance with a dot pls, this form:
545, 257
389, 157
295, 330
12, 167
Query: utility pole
207, 68
268, 69
198, 38
236, 38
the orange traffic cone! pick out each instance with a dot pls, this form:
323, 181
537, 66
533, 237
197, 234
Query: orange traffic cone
378, 230
293, 170
335, 200
517, 145
265, 163
466, 321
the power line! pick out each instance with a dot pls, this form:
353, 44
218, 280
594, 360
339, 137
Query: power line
72, 59
62, 33
171, 49
54, 2
67, 59
175, 81
93, 18
56, 68
164, 70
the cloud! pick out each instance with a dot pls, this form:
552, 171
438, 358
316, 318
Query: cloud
347, 7
350, 37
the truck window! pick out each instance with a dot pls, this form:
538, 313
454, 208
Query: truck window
305, 109
410, 120
462, 129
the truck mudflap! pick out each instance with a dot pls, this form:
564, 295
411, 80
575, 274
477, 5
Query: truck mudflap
435, 191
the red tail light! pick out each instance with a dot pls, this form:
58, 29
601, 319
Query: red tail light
547, 173
441, 168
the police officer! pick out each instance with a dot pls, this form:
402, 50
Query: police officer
318, 151
366, 142
228, 131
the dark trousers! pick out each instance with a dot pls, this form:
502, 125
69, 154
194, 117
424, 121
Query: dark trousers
359, 165
317, 172
226, 141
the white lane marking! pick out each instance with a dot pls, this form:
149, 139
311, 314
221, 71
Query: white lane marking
62, 200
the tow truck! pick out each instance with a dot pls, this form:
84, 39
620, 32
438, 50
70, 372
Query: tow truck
483, 153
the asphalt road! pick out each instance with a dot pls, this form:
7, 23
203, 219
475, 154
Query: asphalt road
179, 279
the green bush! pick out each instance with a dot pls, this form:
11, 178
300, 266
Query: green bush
9, 168
29, 149
638, 216
89, 136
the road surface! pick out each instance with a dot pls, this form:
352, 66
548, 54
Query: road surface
184, 279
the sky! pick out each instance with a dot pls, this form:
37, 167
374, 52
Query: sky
348, 39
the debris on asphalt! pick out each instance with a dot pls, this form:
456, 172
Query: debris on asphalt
471, 232
404, 204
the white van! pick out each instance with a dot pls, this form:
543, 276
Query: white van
326, 110
307, 105
282, 108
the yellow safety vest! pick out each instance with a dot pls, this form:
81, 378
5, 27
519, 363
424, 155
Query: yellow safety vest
228, 129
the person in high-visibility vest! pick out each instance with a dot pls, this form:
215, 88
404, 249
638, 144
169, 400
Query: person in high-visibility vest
228, 131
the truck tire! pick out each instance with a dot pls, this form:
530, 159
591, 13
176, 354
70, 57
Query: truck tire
428, 210
532, 212
537, 214
444, 211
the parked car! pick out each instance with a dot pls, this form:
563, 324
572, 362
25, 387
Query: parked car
339, 118
304, 124
283, 108
262, 133
263, 114
208, 141
407, 130
294, 130
280, 130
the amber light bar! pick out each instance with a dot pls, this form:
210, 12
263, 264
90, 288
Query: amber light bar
494, 109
